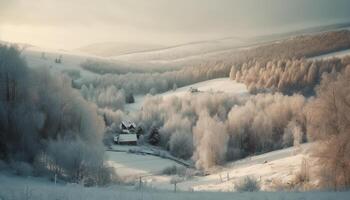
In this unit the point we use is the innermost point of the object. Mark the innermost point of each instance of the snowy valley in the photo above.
(255, 116)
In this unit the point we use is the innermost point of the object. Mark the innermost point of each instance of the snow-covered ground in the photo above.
(130, 164)
(337, 54)
(18, 188)
(215, 85)
(268, 168)
(184, 50)
(70, 60)
(133, 107)
(281, 165)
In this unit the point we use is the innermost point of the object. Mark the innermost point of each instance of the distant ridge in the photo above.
(309, 30)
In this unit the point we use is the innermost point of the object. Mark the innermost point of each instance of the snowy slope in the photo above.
(215, 85)
(281, 165)
(338, 54)
(109, 49)
(70, 60)
(184, 50)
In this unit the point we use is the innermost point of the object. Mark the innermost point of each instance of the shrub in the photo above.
(174, 170)
(129, 98)
(247, 184)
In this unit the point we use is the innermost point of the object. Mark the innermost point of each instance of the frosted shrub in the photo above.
(247, 184)
(175, 170)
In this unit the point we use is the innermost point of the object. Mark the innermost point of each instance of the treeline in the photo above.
(286, 76)
(118, 67)
(46, 127)
(143, 83)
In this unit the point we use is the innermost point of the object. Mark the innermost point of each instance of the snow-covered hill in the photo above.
(184, 50)
(109, 49)
(338, 54)
(191, 52)
(215, 85)
(38, 57)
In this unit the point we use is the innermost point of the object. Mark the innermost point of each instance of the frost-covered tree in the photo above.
(39, 110)
(210, 141)
(329, 124)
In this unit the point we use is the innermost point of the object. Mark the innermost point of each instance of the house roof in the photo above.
(128, 124)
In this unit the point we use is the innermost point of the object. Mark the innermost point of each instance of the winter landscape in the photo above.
(165, 99)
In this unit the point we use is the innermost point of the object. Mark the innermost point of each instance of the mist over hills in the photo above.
(107, 49)
(142, 52)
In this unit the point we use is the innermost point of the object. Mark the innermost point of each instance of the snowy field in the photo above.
(130, 164)
(338, 54)
(70, 60)
(215, 85)
(19, 188)
(268, 168)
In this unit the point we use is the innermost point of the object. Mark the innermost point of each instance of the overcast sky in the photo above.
(73, 23)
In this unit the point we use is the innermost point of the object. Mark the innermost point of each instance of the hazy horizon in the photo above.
(73, 24)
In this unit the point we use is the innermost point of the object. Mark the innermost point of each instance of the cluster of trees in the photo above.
(329, 124)
(108, 97)
(105, 97)
(118, 67)
(46, 124)
(286, 76)
(212, 128)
